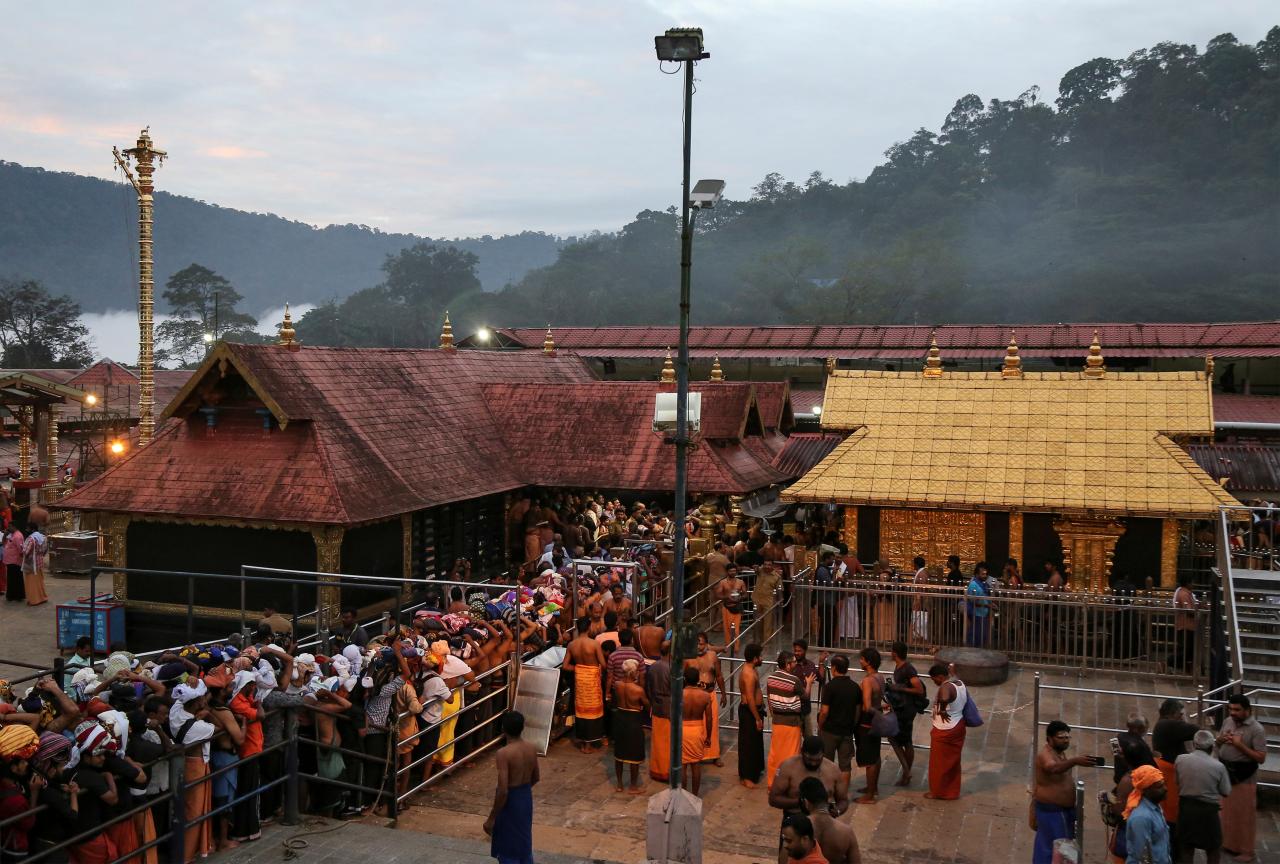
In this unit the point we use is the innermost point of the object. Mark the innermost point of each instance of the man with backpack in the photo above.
(905, 692)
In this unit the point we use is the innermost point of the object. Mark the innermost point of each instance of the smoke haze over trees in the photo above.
(1147, 190)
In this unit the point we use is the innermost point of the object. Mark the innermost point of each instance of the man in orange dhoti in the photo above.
(586, 661)
(946, 739)
(710, 678)
(695, 730)
(657, 686)
(784, 693)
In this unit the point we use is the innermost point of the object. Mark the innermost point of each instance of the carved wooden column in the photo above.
(1015, 543)
(1088, 547)
(113, 532)
(1169, 533)
(328, 560)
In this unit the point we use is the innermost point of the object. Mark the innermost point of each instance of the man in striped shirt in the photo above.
(626, 651)
(783, 693)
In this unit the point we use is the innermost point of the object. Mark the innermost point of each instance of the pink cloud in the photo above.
(233, 151)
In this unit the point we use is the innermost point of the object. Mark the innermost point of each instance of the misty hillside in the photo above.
(78, 236)
(1149, 190)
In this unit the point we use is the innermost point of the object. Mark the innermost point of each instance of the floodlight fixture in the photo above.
(705, 194)
(817, 410)
(664, 412)
(208, 338)
(90, 399)
(483, 334)
(117, 447)
(680, 44)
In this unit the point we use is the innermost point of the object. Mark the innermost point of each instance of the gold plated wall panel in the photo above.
(328, 560)
(849, 534)
(1015, 541)
(1169, 552)
(935, 534)
(1088, 547)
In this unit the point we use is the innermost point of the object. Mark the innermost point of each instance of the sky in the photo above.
(463, 119)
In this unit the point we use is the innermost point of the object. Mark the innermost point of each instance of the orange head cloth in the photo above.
(1143, 777)
(18, 742)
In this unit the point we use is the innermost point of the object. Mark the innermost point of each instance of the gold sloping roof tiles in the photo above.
(1047, 441)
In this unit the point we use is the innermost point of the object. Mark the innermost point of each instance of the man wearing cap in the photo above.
(1146, 832)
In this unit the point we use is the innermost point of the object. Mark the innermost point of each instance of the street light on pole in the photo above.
(683, 46)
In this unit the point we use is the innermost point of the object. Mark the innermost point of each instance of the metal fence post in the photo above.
(1080, 817)
(1200, 705)
(191, 609)
(1035, 722)
(177, 808)
(391, 777)
(291, 768)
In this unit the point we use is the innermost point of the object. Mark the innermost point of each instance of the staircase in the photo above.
(1252, 621)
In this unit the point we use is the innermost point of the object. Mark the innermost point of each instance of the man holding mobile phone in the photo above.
(1053, 815)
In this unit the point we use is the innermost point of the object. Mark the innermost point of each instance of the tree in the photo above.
(200, 301)
(39, 331)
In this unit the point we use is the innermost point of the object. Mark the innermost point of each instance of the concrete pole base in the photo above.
(674, 828)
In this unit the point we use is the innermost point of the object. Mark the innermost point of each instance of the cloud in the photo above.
(457, 119)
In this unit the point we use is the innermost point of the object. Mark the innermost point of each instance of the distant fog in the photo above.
(114, 333)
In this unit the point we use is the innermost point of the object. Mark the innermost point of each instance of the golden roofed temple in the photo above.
(1085, 469)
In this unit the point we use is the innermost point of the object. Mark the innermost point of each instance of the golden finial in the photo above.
(1093, 365)
(668, 370)
(288, 336)
(1208, 365)
(1012, 362)
(933, 365)
(831, 365)
(549, 343)
(717, 374)
(446, 334)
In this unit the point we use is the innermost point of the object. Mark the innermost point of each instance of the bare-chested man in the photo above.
(731, 591)
(750, 719)
(510, 822)
(585, 660)
(618, 602)
(595, 626)
(1055, 793)
(697, 720)
(649, 638)
(784, 793)
(707, 662)
(837, 841)
(628, 728)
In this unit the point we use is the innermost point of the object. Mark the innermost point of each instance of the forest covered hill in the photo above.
(1148, 189)
(77, 236)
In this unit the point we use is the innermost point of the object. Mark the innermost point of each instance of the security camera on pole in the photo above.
(674, 815)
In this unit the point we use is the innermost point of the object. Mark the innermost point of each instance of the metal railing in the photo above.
(1140, 633)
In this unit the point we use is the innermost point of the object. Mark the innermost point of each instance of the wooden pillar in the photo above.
(1169, 532)
(113, 533)
(328, 542)
(1015, 543)
(1088, 547)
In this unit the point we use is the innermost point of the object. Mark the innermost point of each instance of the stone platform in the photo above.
(976, 667)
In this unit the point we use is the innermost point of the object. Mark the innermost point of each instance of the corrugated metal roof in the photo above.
(804, 450)
(1241, 339)
(1241, 408)
(1246, 467)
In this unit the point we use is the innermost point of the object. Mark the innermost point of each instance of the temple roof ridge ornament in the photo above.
(668, 370)
(288, 336)
(1094, 367)
(549, 343)
(446, 334)
(933, 363)
(717, 373)
(1012, 362)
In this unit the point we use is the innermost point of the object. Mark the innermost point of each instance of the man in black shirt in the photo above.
(905, 693)
(1172, 732)
(839, 715)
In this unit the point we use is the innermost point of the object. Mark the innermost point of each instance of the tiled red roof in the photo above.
(367, 434)
(726, 407)
(105, 373)
(802, 401)
(959, 341)
(602, 437)
(773, 398)
(804, 450)
(1239, 408)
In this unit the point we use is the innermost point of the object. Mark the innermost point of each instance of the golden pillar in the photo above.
(51, 447)
(328, 542)
(1169, 533)
(1088, 547)
(707, 518)
(735, 509)
(1015, 543)
(406, 568)
(146, 159)
(849, 533)
(25, 424)
(113, 531)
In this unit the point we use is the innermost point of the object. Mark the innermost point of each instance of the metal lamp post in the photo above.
(683, 46)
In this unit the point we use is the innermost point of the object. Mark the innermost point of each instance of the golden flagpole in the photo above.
(146, 159)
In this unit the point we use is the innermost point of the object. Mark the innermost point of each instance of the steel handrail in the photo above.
(1228, 590)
